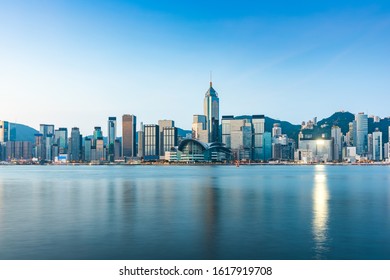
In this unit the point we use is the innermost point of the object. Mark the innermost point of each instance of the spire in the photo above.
(211, 78)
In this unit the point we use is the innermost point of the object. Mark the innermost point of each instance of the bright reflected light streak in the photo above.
(320, 211)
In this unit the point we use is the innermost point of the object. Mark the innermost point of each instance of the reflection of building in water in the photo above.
(320, 211)
(210, 218)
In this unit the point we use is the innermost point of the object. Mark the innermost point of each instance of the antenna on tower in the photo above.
(211, 78)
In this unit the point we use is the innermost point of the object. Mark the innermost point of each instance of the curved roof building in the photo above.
(195, 150)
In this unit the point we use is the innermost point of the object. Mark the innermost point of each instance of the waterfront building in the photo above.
(370, 143)
(199, 128)
(39, 148)
(237, 136)
(111, 138)
(141, 142)
(192, 150)
(211, 111)
(87, 149)
(151, 142)
(61, 139)
(3, 151)
(321, 150)
(276, 130)
(97, 133)
(377, 147)
(117, 149)
(100, 150)
(18, 150)
(4, 131)
(168, 136)
(49, 141)
(75, 145)
(360, 128)
(111, 130)
(258, 123)
(337, 142)
(349, 154)
(267, 143)
(283, 148)
(46, 129)
(387, 151)
(55, 152)
(129, 144)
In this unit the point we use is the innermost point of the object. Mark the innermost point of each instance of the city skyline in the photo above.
(75, 64)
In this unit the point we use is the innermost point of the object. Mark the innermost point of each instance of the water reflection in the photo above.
(320, 212)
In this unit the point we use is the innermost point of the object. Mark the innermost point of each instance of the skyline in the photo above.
(76, 64)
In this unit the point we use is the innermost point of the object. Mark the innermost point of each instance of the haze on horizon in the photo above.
(74, 63)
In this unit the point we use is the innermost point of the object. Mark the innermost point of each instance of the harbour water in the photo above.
(195, 212)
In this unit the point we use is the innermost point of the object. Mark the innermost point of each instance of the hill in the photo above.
(340, 119)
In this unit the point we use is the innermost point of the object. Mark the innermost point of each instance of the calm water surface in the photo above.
(191, 212)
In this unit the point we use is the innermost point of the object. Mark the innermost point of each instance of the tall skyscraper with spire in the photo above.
(211, 111)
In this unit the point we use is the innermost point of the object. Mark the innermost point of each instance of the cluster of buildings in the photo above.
(324, 144)
(241, 138)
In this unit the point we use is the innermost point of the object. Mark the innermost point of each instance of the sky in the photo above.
(75, 63)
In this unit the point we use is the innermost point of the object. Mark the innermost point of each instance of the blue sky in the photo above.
(74, 63)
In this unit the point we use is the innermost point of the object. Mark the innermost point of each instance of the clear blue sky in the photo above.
(74, 63)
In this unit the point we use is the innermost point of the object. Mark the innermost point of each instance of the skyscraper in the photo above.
(97, 133)
(258, 122)
(199, 128)
(129, 123)
(111, 130)
(61, 139)
(151, 141)
(111, 138)
(337, 142)
(75, 144)
(211, 111)
(360, 133)
(168, 135)
(377, 147)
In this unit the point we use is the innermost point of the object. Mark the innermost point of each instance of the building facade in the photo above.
(129, 144)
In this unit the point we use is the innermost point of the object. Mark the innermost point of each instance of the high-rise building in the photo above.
(258, 122)
(4, 131)
(377, 145)
(39, 149)
(211, 111)
(111, 130)
(100, 150)
(129, 123)
(61, 139)
(19, 150)
(151, 142)
(237, 136)
(337, 142)
(46, 129)
(87, 149)
(111, 138)
(97, 133)
(199, 128)
(276, 130)
(75, 145)
(168, 135)
(360, 129)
